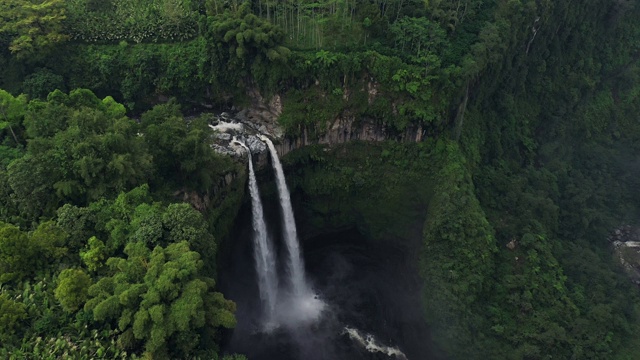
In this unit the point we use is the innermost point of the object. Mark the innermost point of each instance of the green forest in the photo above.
(116, 212)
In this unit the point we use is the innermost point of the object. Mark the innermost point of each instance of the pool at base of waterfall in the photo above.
(370, 304)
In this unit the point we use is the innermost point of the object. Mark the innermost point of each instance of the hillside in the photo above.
(496, 143)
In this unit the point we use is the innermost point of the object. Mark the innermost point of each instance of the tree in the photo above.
(180, 148)
(163, 128)
(419, 40)
(159, 297)
(42, 82)
(134, 217)
(23, 254)
(184, 223)
(33, 26)
(80, 149)
(12, 314)
(29, 180)
(51, 242)
(9, 211)
(245, 44)
(72, 289)
(16, 254)
(78, 222)
(12, 111)
(95, 254)
(457, 257)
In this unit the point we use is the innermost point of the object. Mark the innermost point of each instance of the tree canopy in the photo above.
(524, 114)
(34, 27)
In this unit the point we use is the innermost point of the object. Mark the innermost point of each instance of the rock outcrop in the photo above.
(626, 243)
(347, 128)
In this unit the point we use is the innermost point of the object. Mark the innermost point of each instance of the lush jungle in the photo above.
(116, 213)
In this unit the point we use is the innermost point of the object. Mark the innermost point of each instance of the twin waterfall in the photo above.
(290, 304)
(296, 304)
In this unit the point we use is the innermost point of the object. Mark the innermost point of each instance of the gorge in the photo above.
(293, 316)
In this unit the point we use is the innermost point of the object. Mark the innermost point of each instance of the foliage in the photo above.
(95, 254)
(542, 95)
(134, 217)
(554, 180)
(49, 333)
(422, 39)
(250, 37)
(34, 27)
(163, 301)
(80, 149)
(245, 47)
(71, 292)
(12, 110)
(77, 146)
(332, 185)
(394, 93)
(117, 20)
(174, 279)
(40, 83)
(13, 313)
(457, 257)
(181, 149)
(23, 254)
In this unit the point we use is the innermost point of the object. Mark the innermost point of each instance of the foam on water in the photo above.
(226, 126)
(372, 345)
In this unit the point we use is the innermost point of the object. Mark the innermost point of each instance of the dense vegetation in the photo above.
(530, 111)
(96, 256)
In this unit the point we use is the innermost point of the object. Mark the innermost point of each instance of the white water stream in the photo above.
(300, 306)
(295, 264)
(263, 251)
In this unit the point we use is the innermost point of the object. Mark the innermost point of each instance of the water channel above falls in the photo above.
(367, 289)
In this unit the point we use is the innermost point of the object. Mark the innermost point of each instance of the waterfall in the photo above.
(263, 251)
(300, 306)
(295, 265)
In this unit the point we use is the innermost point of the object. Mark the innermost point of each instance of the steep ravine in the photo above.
(361, 257)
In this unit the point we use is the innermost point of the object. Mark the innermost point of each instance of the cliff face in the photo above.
(262, 116)
(348, 128)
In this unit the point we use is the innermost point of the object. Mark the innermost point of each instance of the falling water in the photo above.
(296, 310)
(295, 265)
(301, 306)
(262, 251)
